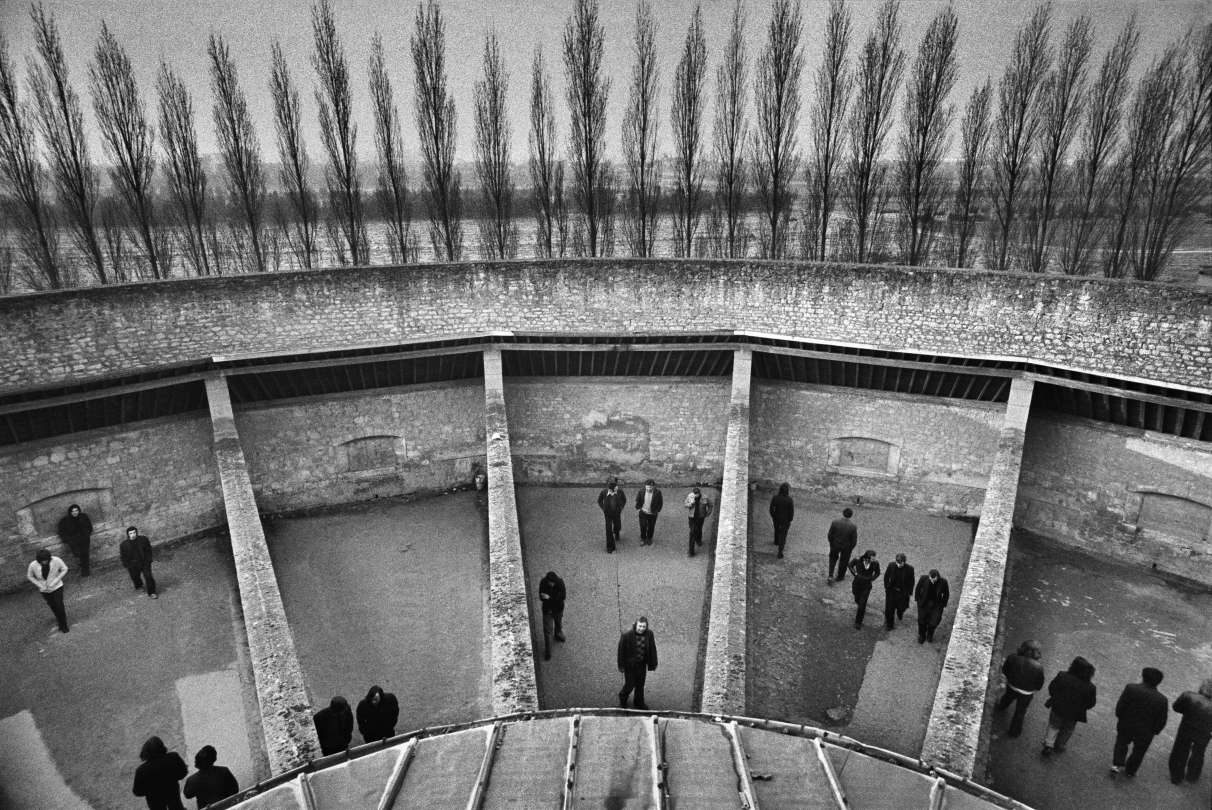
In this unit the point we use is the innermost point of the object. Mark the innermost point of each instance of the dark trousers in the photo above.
(1187, 753)
(633, 678)
(894, 606)
(696, 533)
(928, 618)
(165, 803)
(55, 600)
(80, 552)
(142, 577)
(1021, 702)
(614, 525)
(780, 533)
(1119, 754)
(861, 594)
(841, 556)
(553, 625)
(647, 525)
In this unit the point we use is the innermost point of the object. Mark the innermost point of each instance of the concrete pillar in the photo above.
(725, 664)
(514, 687)
(286, 718)
(953, 734)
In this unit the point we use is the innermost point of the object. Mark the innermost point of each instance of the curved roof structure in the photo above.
(621, 760)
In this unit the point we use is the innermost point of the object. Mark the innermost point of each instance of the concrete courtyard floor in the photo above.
(1122, 619)
(76, 708)
(805, 656)
(391, 592)
(563, 531)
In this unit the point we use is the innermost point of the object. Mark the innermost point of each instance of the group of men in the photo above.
(158, 777)
(648, 504)
(376, 717)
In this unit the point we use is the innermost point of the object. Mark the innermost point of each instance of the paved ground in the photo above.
(1121, 619)
(563, 531)
(76, 708)
(806, 657)
(390, 592)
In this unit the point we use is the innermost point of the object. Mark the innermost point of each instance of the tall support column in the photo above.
(290, 735)
(514, 687)
(953, 734)
(724, 671)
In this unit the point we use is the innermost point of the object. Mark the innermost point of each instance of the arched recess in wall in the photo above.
(371, 455)
(1174, 516)
(39, 520)
(864, 456)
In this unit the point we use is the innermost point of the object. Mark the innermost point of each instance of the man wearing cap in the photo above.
(932, 595)
(648, 503)
(611, 500)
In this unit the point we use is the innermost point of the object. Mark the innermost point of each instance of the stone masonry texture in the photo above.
(286, 717)
(724, 668)
(1150, 331)
(514, 685)
(953, 733)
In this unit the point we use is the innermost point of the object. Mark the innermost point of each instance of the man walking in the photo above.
(377, 715)
(648, 503)
(931, 595)
(782, 512)
(76, 530)
(551, 596)
(1142, 712)
(1024, 677)
(843, 537)
(136, 555)
(334, 726)
(866, 571)
(637, 657)
(47, 574)
(698, 508)
(898, 585)
(611, 500)
(1070, 695)
(212, 783)
(1193, 733)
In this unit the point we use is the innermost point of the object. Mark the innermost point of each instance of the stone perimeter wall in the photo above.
(1151, 331)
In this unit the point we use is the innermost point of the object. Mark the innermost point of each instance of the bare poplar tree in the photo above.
(241, 152)
(182, 163)
(392, 192)
(928, 116)
(128, 138)
(1063, 100)
(546, 191)
(877, 79)
(640, 139)
(834, 84)
(293, 161)
(687, 120)
(588, 90)
(437, 125)
(776, 157)
(1014, 131)
(25, 183)
(498, 230)
(1098, 145)
(729, 138)
(338, 132)
(62, 124)
(970, 184)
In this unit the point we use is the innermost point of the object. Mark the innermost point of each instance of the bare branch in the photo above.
(293, 161)
(834, 84)
(776, 155)
(687, 121)
(186, 177)
(547, 193)
(970, 186)
(588, 90)
(498, 231)
(436, 123)
(730, 136)
(640, 139)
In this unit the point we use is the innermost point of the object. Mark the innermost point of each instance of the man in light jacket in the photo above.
(47, 573)
(648, 502)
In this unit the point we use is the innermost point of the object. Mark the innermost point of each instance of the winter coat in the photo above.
(612, 504)
(135, 553)
(627, 649)
(1141, 709)
(54, 579)
(211, 785)
(334, 730)
(158, 779)
(1070, 696)
(898, 584)
(75, 531)
(556, 593)
(658, 500)
(378, 722)
(1023, 672)
(1196, 710)
(843, 534)
(782, 509)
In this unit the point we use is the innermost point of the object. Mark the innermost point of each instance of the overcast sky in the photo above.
(176, 30)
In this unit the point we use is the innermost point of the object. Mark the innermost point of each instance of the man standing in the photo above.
(898, 585)
(648, 503)
(136, 555)
(76, 530)
(612, 500)
(47, 573)
(551, 595)
(782, 512)
(931, 595)
(1142, 713)
(843, 537)
(334, 726)
(1024, 677)
(698, 508)
(378, 714)
(212, 783)
(1193, 733)
(866, 571)
(637, 657)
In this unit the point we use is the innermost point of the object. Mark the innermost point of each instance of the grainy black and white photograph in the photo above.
(360, 361)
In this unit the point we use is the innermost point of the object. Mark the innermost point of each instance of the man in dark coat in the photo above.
(932, 595)
(866, 571)
(1193, 734)
(158, 779)
(551, 595)
(1070, 695)
(1024, 677)
(898, 587)
(698, 509)
(611, 500)
(637, 657)
(648, 502)
(378, 713)
(782, 512)
(1142, 713)
(76, 530)
(843, 537)
(136, 555)
(334, 726)
(212, 783)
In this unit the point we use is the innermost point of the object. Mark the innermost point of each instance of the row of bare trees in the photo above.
(1061, 164)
